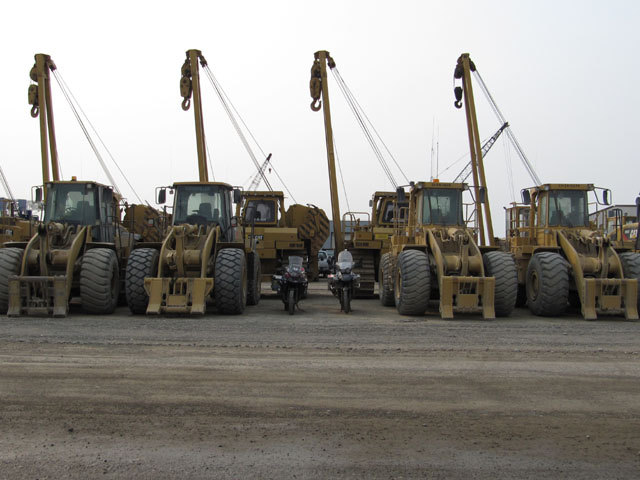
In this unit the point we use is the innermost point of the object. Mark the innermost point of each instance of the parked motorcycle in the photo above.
(344, 282)
(292, 284)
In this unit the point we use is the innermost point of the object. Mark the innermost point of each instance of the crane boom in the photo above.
(466, 171)
(320, 93)
(463, 70)
(255, 182)
(39, 95)
(190, 84)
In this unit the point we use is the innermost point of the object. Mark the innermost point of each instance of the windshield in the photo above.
(568, 208)
(388, 215)
(345, 260)
(200, 204)
(442, 206)
(265, 210)
(73, 203)
(295, 262)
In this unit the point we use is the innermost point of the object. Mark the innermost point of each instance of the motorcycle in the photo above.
(344, 282)
(292, 284)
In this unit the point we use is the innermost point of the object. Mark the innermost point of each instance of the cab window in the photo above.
(265, 210)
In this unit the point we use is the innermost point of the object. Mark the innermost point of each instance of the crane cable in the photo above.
(230, 108)
(507, 158)
(209, 158)
(5, 184)
(528, 166)
(68, 94)
(365, 123)
(364, 128)
(226, 105)
(344, 188)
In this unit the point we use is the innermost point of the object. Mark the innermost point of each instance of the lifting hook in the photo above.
(458, 94)
(315, 86)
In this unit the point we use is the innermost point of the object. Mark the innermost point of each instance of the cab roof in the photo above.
(220, 184)
(264, 194)
(77, 182)
(429, 185)
(566, 186)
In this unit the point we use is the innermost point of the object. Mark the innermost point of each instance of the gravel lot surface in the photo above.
(319, 394)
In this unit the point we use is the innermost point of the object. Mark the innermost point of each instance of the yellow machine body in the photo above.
(462, 285)
(596, 270)
(278, 233)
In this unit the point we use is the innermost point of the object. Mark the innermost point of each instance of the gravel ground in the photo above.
(319, 394)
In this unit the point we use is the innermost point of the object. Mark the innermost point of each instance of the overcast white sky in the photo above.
(562, 72)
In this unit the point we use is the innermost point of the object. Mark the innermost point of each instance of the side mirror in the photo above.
(370, 203)
(162, 196)
(526, 197)
(38, 194)
(482, 195)
(237, 195)
(402, 196)
(606, 197)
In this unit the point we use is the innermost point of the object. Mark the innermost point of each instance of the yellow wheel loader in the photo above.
(80, 247)
(73, 254)
(435, 257)
(203, 255)
(563, 260)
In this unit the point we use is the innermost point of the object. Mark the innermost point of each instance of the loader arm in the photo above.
(601, 294)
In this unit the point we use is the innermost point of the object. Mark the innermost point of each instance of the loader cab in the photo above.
(204, 204)
(439, 204)
(560, 206)
(564, 208)
(264, 209)
(387, 211)
(82, 204)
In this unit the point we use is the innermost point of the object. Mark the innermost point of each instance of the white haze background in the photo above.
(562, 72)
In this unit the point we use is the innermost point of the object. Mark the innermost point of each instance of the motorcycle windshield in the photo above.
(345, 260)
(295, 262)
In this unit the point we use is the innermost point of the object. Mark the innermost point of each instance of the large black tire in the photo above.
(385, 281)
(412, 287)
(99, 281)
(502, 267)
(346, 300)
(10, 262)
(142, 263)
(291, 305)
(230, 282)
(547, 284)
(254, 287)
(631, 268)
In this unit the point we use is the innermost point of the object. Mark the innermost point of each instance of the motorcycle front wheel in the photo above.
(292, 301)
(346, 300)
